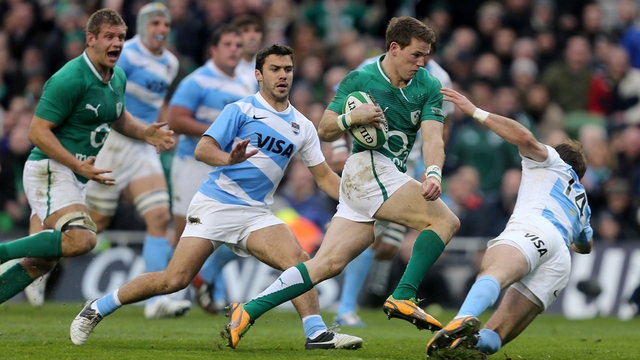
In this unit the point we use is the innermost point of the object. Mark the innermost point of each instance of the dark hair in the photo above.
(403, 29)
(275, 49)
(570, 151)
(247, 20)
(224, 29)
(102, 17)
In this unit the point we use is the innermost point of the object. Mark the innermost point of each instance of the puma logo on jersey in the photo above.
(94, 109)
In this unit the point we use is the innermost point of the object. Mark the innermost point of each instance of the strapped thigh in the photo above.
(150, 200)
(75, 220)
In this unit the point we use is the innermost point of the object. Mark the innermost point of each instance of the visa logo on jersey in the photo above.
(274, 145)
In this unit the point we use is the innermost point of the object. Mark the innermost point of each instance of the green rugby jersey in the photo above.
(83, 106)
(404, 108)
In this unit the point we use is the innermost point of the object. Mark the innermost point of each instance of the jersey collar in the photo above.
(216, 70)
(94, 70)
(384, 75)
(264, 102)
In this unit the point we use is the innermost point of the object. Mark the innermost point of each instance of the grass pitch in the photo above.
(43, 333)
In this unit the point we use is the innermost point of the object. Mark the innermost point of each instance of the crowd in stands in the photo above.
(561, 68)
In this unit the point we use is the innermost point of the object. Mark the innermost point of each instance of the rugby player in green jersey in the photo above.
(80, 104)
(374, 189)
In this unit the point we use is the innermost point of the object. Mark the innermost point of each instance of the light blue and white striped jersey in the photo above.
(550, 192)
(277, 135)
(148, 79)
(205, 92)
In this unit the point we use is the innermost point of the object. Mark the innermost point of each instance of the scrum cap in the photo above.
(147, 13)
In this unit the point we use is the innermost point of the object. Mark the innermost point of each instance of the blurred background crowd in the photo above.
(561, 68)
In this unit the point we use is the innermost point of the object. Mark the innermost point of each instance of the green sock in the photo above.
(47, 243)
(426, 250)
(13, 281)
(293, 282)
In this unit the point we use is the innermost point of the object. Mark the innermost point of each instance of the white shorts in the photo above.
(549, 262)
(226, 224)
(186, 177)
(129, 160)
(50, 186)
(364, 188)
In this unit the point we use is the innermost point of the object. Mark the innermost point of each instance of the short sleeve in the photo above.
(432, 108)
(187, 95)
(225, 129)
(311, 151)
(59, 97)
(552, 159)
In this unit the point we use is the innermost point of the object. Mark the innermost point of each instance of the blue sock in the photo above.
(108, 303)
(355, 275)
(219, 290)
(312, 325)
(214, 264)
(483, 294)
(489, 342)
(156, 253)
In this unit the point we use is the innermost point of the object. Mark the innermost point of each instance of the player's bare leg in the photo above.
(184, 265)
(437, 225)
(277, 247)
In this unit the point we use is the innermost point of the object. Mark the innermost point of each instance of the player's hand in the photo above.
(431, 189)
(239, 152)
(162, 139)
(90, 172)
(465, 105)
(368, 114)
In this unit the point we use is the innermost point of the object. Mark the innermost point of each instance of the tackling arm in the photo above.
(509, 129)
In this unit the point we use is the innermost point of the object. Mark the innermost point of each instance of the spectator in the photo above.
(568, 80)
(502, 46)
(492, 216)
(546, 114)
(524, 73)
(489, 20)
(620, 207)
(489, 68)
(615, 93)
(332, 17)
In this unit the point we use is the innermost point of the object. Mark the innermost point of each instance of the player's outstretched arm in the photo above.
(153, 134)
(327, 180)
(509, 129)
(209, 152)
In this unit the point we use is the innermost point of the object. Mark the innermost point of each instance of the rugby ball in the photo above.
(367, 136)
